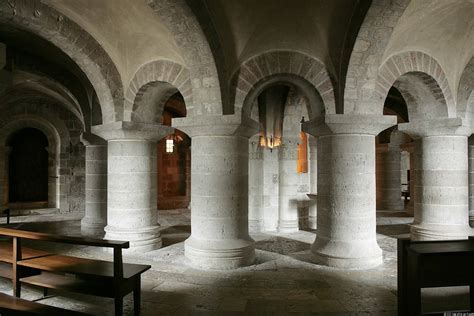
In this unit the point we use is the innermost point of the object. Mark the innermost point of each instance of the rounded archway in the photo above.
(28, 167)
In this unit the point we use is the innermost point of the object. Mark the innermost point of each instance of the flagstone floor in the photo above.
(284, 281)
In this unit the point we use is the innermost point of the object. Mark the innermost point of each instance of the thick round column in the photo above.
(411, 183)
(441, 189)
(288, 186)
(389, 193)
(346, 235)
(219, 203)
(95, 217)
(313, 176)
(471, 180)
(255, 187)
(131, 194)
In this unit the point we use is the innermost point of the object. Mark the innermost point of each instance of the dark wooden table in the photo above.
(423, 264)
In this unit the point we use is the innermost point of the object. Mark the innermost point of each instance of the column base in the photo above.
(362, 254)
(220, 255)
(471, 221)
(288, 226)
(440, 232)
(141, 239)
(91, 228)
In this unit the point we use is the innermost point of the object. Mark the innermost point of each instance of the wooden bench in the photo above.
(423, 264)
(6, 212)
(52, 271)
(10, 305)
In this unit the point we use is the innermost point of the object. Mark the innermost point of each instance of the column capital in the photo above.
(368, 124)
(219, 125)
(132, 130)
(89, 139)
(435, 127)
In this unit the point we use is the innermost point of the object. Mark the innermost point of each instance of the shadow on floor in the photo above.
(281, 245)
(175, 234)
(393, 229)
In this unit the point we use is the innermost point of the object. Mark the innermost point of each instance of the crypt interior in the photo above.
(263, 156)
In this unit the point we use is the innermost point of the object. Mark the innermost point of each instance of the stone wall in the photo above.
(71, 156)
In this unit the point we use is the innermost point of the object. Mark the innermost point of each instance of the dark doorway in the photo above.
(28, 166)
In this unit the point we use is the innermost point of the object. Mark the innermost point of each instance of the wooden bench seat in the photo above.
(81, 266)
(10, 305)
(68, 273)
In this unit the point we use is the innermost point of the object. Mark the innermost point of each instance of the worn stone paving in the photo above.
(284, 281)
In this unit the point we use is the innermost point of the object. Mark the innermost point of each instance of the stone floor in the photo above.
(282, 282)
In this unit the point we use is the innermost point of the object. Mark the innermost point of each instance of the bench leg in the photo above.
(471, 297)
(118, 305)
(137, 296)
(16, 288)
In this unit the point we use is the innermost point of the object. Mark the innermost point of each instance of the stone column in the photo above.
(389, 193)
(471, 180)
(95, 217)
(346, 220)
(219, 192)
(255, 187)
(313, 176)
(270, 190)
(131, 183)
(410, 148)
(288, 186)
(441, 188)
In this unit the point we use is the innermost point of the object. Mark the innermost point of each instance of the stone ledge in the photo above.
(368, 124)
(132, 130)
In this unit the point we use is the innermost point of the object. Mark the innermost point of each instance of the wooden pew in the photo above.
(423, 264)
(88, 276)
(13, 306)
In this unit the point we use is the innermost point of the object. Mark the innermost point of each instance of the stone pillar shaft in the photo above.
(313, 173)
(411, 183)
(441, 188)
(346, 235)
(441, 179)
(388, 178)
(255, 187)
(288, 186)
(346, 202)
(131, 193)
(95, 217)
(219, 201)
(219, 191)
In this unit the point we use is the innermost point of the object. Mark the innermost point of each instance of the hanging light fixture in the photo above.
(271, 107)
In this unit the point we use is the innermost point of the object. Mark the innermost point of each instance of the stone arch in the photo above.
(296, 68)
(46, 22)
(367, 54)
(28, 91)
(58, 142)
(165, 78)
(417, 68)
(465, 96)
(181, 19)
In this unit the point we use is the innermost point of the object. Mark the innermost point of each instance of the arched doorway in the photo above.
(28, 167)
(174, 160)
